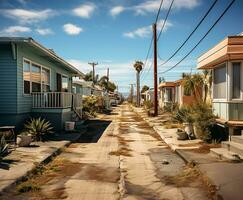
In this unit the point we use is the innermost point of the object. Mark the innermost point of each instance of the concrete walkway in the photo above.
(226, 176)
(20, 162)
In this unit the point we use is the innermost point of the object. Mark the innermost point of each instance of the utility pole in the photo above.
(93, 64)
(155, 71)
(132, 92)
(138, 88)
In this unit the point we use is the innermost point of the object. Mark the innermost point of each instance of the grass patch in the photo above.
(191, 175)
(205, 148)
(28, 187)
(169, 125)
(123, 151)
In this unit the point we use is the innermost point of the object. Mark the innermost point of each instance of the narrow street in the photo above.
(128, 161)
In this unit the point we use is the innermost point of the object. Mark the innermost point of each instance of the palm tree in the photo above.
(193, 84)
(207, 77)
(138, 65)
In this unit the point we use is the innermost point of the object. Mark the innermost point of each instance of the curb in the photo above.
(45, 161)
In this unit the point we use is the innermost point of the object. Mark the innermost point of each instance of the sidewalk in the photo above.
(22, 161)
(226, 176)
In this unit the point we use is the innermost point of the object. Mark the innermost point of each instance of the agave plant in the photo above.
(39, 128)
(3, 147)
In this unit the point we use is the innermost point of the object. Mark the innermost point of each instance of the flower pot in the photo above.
(196, 132)
(189, 130)
(24, 140)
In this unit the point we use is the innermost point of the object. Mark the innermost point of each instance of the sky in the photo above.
(116, 33)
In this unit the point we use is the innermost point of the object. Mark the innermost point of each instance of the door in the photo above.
(59, 82)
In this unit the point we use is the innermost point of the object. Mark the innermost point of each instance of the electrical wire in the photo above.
(200, 22)
(228, 7)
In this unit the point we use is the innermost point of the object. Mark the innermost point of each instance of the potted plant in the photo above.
(24, 139)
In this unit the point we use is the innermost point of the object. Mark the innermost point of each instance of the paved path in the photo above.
(125, 163)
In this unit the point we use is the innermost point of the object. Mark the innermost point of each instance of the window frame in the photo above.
(226, 83)
(41, 66)
(231, 81)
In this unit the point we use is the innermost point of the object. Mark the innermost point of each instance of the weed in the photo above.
(28, 187)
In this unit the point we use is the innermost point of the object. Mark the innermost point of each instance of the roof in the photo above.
(49, 52)
(230, 48)
(83, 83)
(166, 84)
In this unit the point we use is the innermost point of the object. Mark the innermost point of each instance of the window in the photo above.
(26, 77)
(64, 83)
(236, 80)
(219, 89)
(45, 80)
(35, 78)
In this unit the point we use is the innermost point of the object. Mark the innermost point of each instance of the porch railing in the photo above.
(56, 100)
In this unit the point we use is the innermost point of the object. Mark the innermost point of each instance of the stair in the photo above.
(230, 150)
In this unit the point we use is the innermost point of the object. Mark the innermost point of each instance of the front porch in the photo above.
(57, 107)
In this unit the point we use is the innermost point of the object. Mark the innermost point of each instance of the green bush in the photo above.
(184, 114)
(38, 128)
(170, 107)
(204, 120)
(148, 104)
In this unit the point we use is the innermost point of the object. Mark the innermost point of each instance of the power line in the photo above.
(150, 45)
(168, 12)
(200, 39)
(156, 19)
(206, 14)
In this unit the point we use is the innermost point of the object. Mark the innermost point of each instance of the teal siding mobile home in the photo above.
(35, 81)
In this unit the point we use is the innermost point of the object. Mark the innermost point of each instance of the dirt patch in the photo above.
(98, 173)
(122, 151)
(32, 188)
(140, 192)
(205, 148)
(191, 176)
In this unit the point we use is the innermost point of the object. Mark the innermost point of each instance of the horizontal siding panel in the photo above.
(8, 80)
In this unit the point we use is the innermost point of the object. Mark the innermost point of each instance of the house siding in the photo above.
(25, 101)
(8, 89)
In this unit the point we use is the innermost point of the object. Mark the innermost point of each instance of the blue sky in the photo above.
(115, 33)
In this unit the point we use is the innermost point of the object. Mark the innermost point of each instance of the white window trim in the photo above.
(220, 99)
(35, 63)
(231, 99)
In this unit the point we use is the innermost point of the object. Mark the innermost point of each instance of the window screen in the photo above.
(236, 81)
(219, 89)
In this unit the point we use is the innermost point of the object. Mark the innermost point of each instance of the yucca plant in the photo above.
(39, 128)
(3, 147)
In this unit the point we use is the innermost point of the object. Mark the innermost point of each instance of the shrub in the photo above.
(3, 147)
(148, 104)
(171, 107)
(183, 114)
(204, 120)
(38, 128)
(91, 105)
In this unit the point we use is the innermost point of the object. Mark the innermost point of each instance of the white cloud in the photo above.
(146, 30)
(116, 10)
(44, 31)
(72, 29)
(14, 30)
(27, 16)
(151, 6)
(84, 10)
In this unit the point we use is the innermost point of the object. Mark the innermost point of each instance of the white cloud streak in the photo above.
(84, 10)
(72, 29)
(44, 31)
(14, 30)
(27, 16)
(116, 10)
(145, 31)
